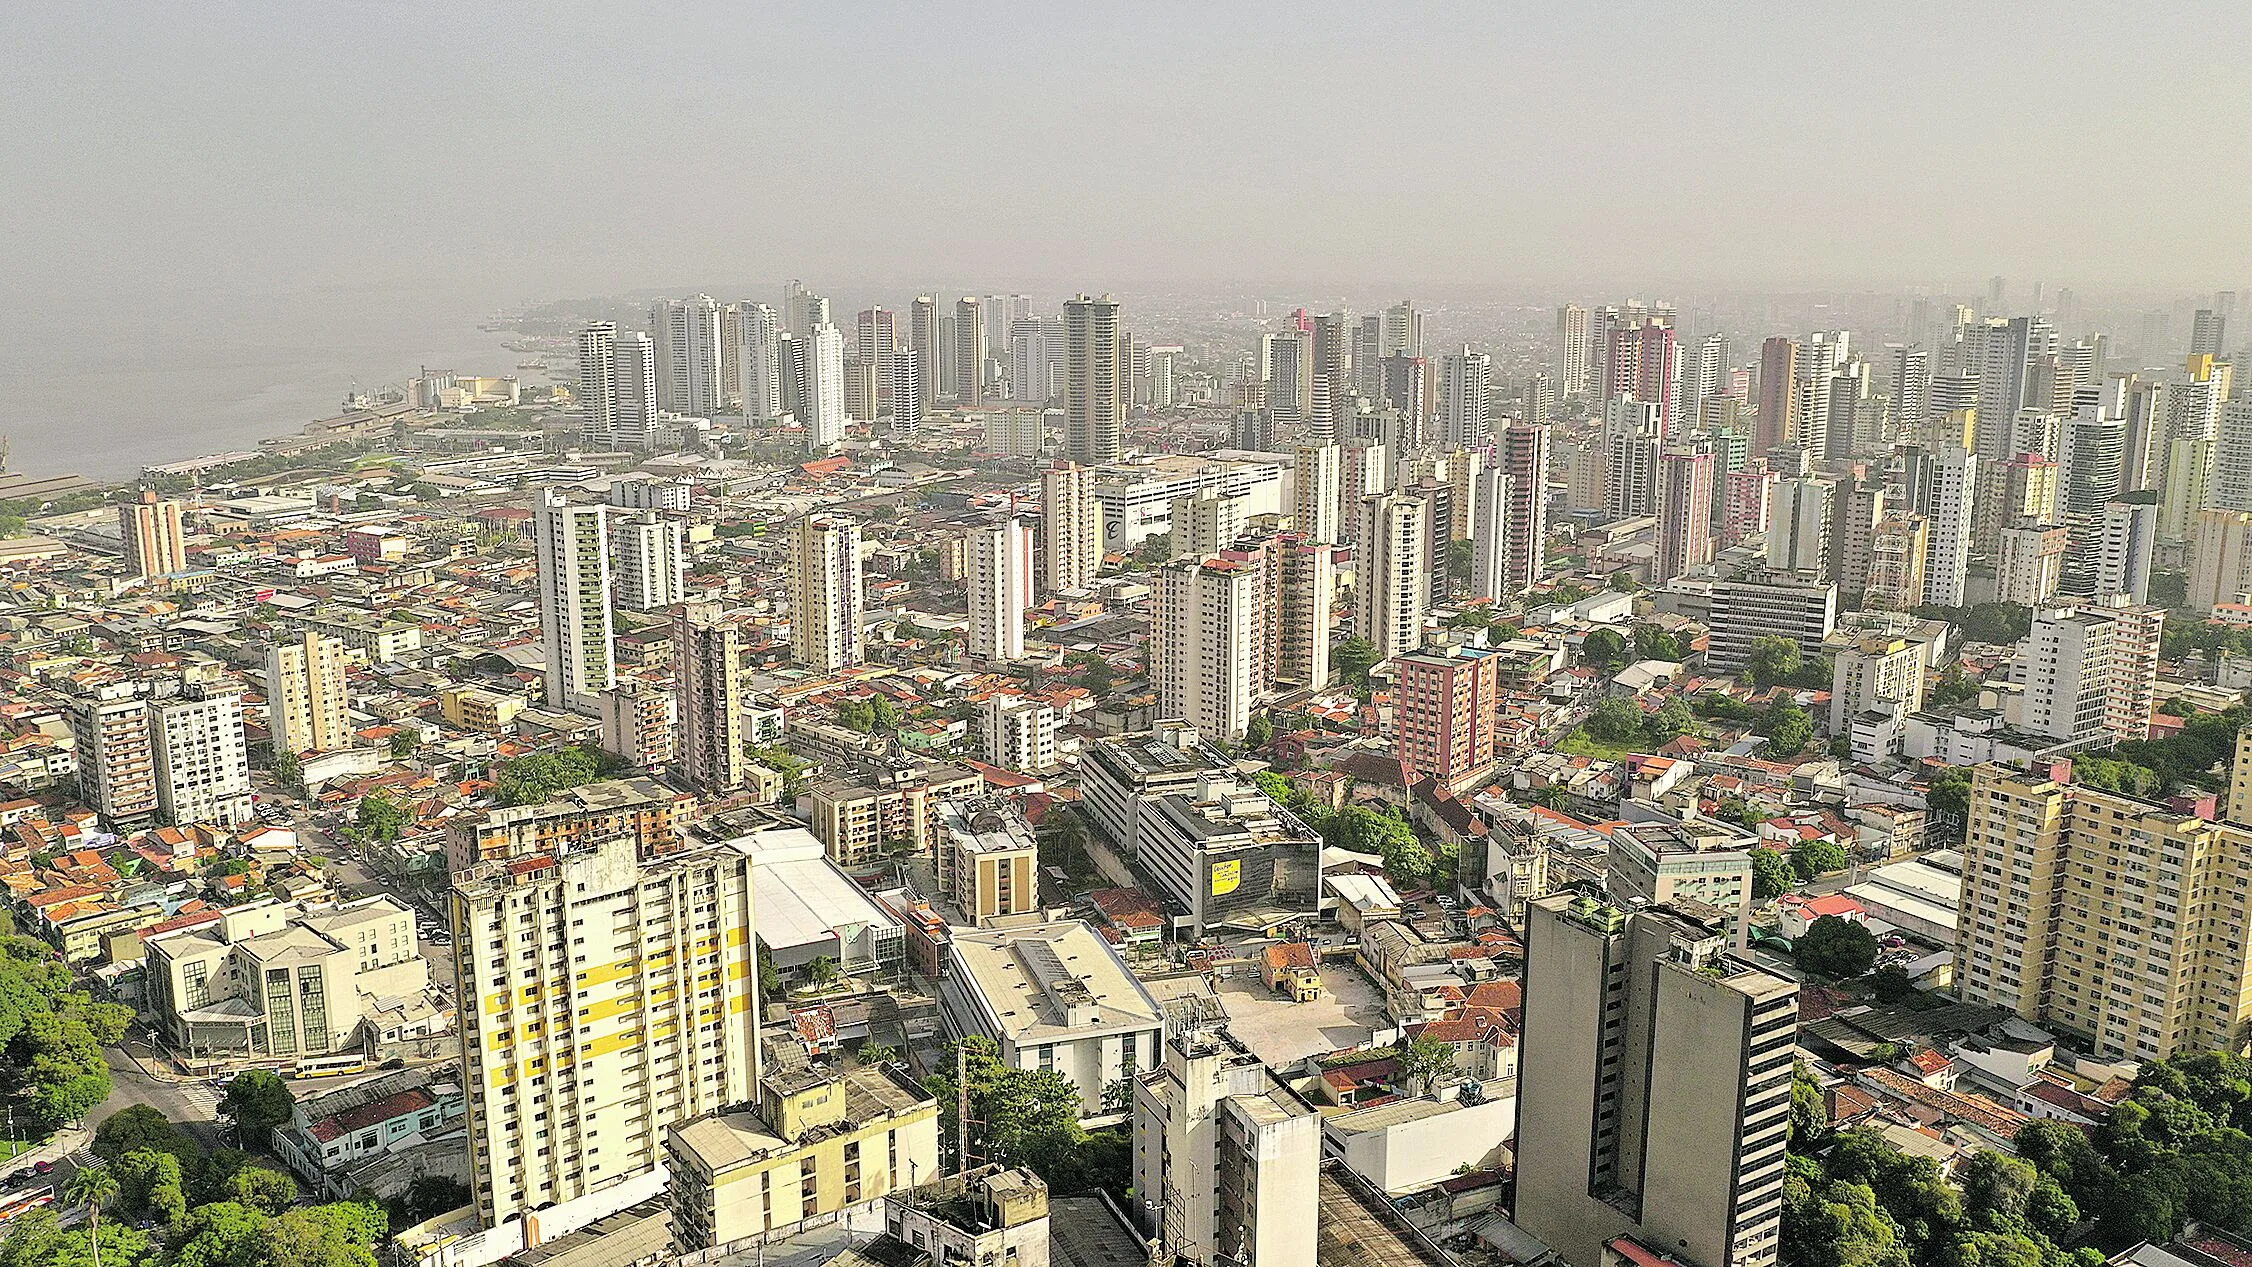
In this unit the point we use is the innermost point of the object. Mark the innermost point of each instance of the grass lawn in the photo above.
(1581, 744)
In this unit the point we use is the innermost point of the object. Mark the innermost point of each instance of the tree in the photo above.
(1259, 733)
(1953, 687)
(1026, 1117)
(382, 818)
(1423, 1061)
(1810, 858)
(256, 1102)
(1948, 799)
(340, 1234)
(856, 714)
(1353, 658)
(151, 1182)
(537, 776)
(885, 715)
(404, 743)
(1772, 660)
(1810, 1112)
(1787, 727)
(1772, 875)
(1672, 720)
(1623, 581)
(1653, 643)
(1604, 648)
(264, 1188)
(1617, 722)
(1836, 947)
(1460, 556)
(92, 1187)
(141, 1127)
(822, 972)
(289, 769)
(878, 1054)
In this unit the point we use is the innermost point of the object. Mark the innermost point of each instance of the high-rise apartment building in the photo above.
(1391, 582)
(1227, 1155)
(708, 696)
(573, 548)
(617, 387)
(306, 700)
(826, 597)
(2029, 562)
(116, 756)
(1800, 521)
(652, 562)
(1071, 537)
(1684, 514)
(641, 724)
(2100, 915)
(1020, 733)
(685, 339)
(1465, 398)
(1941, 483)
(202, 760)
(1875, 671)
(1095, 384)
(2129, 543)
(1000, 577)
(970, 351)
(824, 388)
(1490, 546)
(1896, 564)
(1525, 456)
(149, 530)
(1572, 349)
(608, 992)
(1303, 599)
(2090, 672)
(1444, 712)
(1206, 521)
(1403, 331)
(1317, 492)
(1209, 631)
(1286, 368)
(1654, 1086)
(1633, 441)
(1778, 395)
(761, 360)
(2220, 559)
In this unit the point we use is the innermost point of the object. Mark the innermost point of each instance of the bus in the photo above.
(335, 1066)
(15, 1203)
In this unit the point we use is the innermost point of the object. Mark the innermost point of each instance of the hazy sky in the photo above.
(537, 150)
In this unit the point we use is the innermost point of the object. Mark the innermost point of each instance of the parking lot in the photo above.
(1281, 1032)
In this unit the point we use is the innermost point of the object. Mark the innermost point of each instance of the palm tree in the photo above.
(92, 1187)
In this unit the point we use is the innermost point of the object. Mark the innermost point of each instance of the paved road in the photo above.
(193, 1104)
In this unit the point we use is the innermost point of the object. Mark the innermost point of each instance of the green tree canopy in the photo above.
(1810, 858)
(256, 1102)
(536, 777)
(1836, 947)
(1604, 648)
(1772, 875)
(1353, 658)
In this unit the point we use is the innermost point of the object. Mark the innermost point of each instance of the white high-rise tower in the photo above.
(825, 592)
(824, 388)
(575, 629)
(1000, 574)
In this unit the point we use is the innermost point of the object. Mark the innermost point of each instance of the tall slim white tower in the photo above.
(825, 592)
(1317, 485)
(652, 563)
(1209, 631)
(575, 629)
(1000, 568)
(1465, 397)
(1072, 527)
(762, 363)
(1393, 576)
(824, 388)
(684, 334)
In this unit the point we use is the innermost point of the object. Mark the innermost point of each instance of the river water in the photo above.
(103, 389)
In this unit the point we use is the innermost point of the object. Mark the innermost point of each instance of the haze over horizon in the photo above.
(251, 148)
